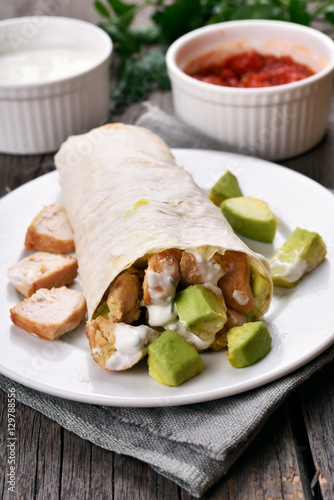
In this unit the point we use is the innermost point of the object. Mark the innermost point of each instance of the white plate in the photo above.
(300, 320)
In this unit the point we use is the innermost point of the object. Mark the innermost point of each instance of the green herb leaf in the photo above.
(145, 34)
(178, 18)
(298, 12)
(102, 9)
(329, 14)
(120, 7)
(139, 75)
(255, 12)
(124, 43)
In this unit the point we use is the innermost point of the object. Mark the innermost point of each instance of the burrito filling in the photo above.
(199, 298)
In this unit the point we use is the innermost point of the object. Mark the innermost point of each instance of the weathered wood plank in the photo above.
(76, 466)
(37, 454)
(26, 452)
(49, 459)
(317, 163)
(317, 402)
(135, 479)
(102, 474)
(17, 170)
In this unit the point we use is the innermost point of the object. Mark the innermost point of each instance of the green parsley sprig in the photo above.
(141, 49)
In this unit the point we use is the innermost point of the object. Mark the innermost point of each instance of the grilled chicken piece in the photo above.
(100, 333)
(50, 313)
(50, 231)
(124, 297)
(42, 270)
(235, 284)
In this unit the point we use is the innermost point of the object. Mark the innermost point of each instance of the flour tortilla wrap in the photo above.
(126, 198)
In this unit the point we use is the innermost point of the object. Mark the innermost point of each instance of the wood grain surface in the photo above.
(292, 457)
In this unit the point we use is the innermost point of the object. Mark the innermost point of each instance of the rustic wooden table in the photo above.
(292, 456)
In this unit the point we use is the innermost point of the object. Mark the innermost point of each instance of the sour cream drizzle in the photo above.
(162, 290)
(291, 271)
(201, 342)
(210, 272)
(241, 297)
(131, 344)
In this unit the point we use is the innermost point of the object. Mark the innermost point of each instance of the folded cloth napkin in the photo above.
(183, 443)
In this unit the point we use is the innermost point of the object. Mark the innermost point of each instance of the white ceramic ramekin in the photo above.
(38, 117)
(272, 122)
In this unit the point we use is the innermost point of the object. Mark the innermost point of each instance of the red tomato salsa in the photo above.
(251, 69)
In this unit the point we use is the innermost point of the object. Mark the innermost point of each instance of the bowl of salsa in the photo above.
(261, 88)
(250, 69)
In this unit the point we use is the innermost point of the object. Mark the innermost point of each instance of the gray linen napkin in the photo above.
(183, 443)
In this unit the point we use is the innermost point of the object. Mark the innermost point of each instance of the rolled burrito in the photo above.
(144, 233)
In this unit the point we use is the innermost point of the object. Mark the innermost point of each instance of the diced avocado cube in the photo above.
(250, 217)
(201, 309)
(102, 310)
(248, 343)
(300, 253)
(226, 187)
(261, 288)
(172, 361)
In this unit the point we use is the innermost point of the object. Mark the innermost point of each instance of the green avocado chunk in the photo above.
(172, 361)
(226, 187)
(261, 288)
(102, 310)
(250, 217)
(302, 251)
(201, 309)
(248, 343)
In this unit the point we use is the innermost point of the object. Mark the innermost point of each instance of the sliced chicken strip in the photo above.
(50, 231)
(124, 297)
(42, 270)
(235, 284)
(50, 313)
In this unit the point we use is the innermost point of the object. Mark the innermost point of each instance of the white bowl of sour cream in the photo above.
(54, 82)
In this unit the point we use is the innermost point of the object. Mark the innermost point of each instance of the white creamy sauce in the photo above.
(44, 64)
(241, 297)
(210, 271)
(290, 271)
(131, 345)
(201, 343)
(161, 314)
(160, 285)
(215, 289)
(162, 290)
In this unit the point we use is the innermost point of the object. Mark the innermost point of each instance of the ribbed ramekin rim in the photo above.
(108, 48)
(176, 72)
